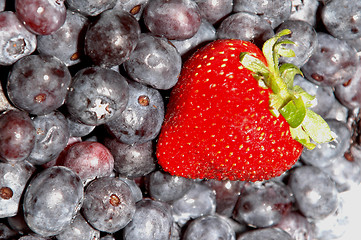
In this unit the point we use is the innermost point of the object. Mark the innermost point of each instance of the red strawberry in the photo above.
(218, 123)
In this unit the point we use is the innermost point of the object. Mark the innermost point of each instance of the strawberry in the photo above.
(235, 114)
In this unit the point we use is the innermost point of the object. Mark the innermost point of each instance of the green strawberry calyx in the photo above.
(292, 102)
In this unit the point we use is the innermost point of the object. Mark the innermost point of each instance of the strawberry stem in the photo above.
(292, 102)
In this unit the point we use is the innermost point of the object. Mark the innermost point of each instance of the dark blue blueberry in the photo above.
(13, 180)
(154, 62)
(110, 40)
(315, 193)
(38, 84)
(17, 136)
(79, 229)
(339, 224)
(265, 233)
(198, 201)
(227, 193)
(15, 40)
(41, 17)
(173, 19)
(90, 7)
(136, 191)
(325, 153)
(246, 26)
(275, 12)
(89, 160)
(134, 7)
(96, 95)
(305, 38)
(52, 200)
(67, 42)
(205, 34)
(77, 128)
(152, 220)
(33, 236)
(108, 237)
(214, 11)
(209, 227)
(263, 204)
(342, 18)
(334, 62)
(52, 135)
(108, 204)
(131, 161)
(298, 226)
(167, 188)
(348, 93)
(325, 98)
(142, 118)
(305, 10)
(346, 174)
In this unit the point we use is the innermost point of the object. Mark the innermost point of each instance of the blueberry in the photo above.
(265, 233)
(198, 201)
(90, 7)
(108, 237)
(67, 42)
(205, 34)
(154, 62)
(342, 18)
(333, 226)
(305, 38)
(315, 193)
(38, 84)
(142, 117)
(275, 12)
(15, 40)
(110, 40)
(346, 174)
(52, 200)
(33, 237)
(347, 93)
(167, 188)
(108, 204)
(325, 153)
(131, 161)
(96, 95)
(152, 220)
(134, 7)
(305, 10)
(209, 227)
(136, 191)
(214, 11)
(89, 160)
(79, 229)
(17, 136)
(173, 19)
(334, 62)
(41, 17)
(77, 128)
(52, 135)
(13, 181)
(324, 95)
(263, 204)
(246, 26)
(298, 226)
(227, 193)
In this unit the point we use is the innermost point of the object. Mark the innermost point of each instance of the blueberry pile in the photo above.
(84, 88)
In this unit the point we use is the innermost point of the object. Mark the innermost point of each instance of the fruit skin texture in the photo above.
(218, 124)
